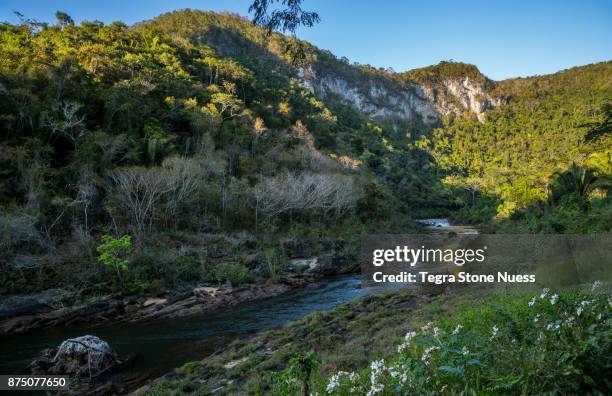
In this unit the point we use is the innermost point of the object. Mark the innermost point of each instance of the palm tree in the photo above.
(576, 179)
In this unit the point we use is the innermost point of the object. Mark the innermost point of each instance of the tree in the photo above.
(300, 192)
(112, 252)
(65, 121)
(139, 191)
(286, 19)
(603, 128)
(156, 141)
(576, 179)
(184, 176)
(63, 19)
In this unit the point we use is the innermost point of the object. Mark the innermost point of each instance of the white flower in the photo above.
(437, 332)
(410, 335)
(579, 311)
(427, 354)
(595, 285)
(457, 329)
(377, 367)
(544, 292)
(494, 331)
(378, 364)
(553, 326)
(465, 351)
(427, 326)
(333, 383)
(532, 302)
(554, 299)
(376, 388)
(537, 317)
(569, 322)
(585, 303)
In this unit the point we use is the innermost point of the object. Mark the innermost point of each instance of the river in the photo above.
(158, 347)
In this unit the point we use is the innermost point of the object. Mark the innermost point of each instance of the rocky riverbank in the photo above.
(56, 307)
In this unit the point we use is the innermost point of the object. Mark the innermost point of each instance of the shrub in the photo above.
(235, 273)
(296, 377)
(112, 252)
(547, 344)
(275, 261)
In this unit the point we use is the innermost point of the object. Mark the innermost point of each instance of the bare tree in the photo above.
(85, 195)
(184, 175)
(68, 122)
(139, 192)
(146, 192)
(299, 192)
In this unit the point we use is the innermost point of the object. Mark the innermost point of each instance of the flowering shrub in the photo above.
(549, 343)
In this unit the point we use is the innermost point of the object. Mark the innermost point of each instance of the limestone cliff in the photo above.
(408, 98)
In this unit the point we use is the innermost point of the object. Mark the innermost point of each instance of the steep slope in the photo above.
(379, 94)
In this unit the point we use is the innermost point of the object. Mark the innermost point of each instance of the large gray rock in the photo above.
(81, 356)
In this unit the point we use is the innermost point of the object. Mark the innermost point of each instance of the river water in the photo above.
(159, 347)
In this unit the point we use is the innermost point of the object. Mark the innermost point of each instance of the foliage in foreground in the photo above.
(553, 344)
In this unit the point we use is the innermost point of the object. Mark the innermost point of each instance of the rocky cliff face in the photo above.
(428, 102)
(460, 97)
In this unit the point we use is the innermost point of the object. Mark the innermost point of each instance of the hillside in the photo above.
(222, 151)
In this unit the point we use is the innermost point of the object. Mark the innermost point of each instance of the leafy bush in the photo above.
(545, 344)
(296, 377)
(113, 251)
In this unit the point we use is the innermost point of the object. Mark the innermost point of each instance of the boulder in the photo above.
(82, 356)
(303, 265)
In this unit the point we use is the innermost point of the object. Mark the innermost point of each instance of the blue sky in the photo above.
(504, 39)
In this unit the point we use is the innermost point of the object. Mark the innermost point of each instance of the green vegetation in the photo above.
(112, 249)
(297, 374)
(509, 165)
(559, 344)
(399, 343)
(192, 133)
(173, 131)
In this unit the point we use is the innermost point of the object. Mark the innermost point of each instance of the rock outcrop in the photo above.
(85, 356)
(390, 99)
